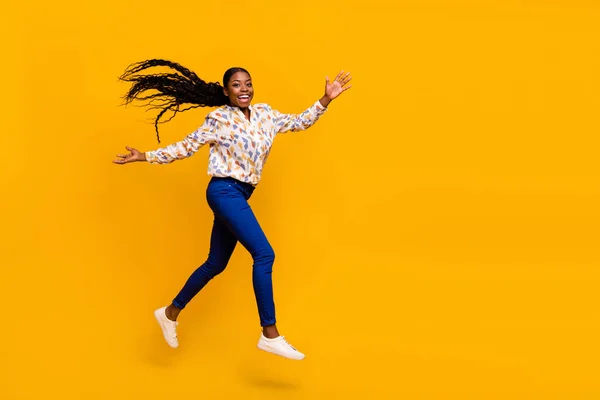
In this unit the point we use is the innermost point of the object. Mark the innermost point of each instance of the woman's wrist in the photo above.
(325, 101)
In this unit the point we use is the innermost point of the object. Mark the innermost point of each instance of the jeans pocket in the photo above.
(219, 191)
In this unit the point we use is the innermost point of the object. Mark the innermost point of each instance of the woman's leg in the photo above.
(235, 213)
(222, 245)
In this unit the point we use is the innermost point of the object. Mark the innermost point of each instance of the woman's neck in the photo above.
(246, 112)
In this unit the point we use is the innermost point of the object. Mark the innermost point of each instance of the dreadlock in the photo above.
(174, 90)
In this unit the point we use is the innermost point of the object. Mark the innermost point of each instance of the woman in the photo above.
(240, 136)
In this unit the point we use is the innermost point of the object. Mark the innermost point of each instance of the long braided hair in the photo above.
(176, 91)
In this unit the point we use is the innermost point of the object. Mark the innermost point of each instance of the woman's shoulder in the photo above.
(220, 114)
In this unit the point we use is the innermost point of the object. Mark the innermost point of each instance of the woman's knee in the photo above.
(265, 255)
(215, 267)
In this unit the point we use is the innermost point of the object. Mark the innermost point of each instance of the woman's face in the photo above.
(240, 90)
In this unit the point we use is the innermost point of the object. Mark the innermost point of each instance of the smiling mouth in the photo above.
(244, 97)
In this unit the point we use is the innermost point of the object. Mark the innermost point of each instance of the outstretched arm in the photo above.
(185, 148)
(298, 122)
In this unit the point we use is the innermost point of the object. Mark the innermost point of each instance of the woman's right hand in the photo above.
(133, 156)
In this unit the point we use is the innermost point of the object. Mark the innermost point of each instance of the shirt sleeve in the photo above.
(298, 122)
(187, 147)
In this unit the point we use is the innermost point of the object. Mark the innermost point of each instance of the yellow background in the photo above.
(436, 232)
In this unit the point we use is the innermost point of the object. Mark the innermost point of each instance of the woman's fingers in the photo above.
(123, 158)
(126, 158)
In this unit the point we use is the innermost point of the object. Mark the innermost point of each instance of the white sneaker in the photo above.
(279, 346)
(169, 328)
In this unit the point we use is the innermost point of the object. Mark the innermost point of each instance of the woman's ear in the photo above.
(225, 92)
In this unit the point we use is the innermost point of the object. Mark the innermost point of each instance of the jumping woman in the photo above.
(240, 137)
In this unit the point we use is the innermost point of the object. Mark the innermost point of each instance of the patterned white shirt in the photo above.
(239, 147)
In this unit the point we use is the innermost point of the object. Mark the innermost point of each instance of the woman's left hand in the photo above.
(338, 86)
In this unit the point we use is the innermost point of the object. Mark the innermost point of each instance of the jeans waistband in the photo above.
(247, 187)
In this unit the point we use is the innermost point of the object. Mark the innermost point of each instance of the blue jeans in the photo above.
(234, 221)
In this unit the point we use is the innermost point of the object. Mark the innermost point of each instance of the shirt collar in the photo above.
(235, 109)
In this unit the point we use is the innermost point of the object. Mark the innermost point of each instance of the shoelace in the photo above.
(288, 343)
